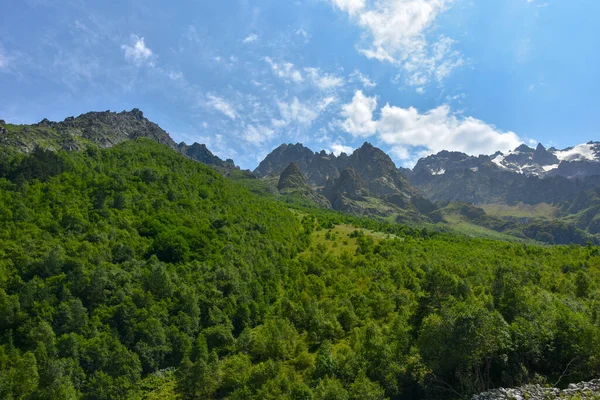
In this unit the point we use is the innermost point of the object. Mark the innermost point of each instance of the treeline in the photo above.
(132, 272)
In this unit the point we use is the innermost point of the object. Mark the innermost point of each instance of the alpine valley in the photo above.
(133, 267)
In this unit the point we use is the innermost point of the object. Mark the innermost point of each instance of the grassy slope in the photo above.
(543, 210)
(460, 224)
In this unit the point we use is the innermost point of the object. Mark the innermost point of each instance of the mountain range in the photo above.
(549, 195)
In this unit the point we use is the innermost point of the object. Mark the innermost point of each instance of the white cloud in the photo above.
(323, 81)
(357, 76)
(350, 6)
(359, 115)
(439, 129)
(412, 134)
(137, 52)
(298, 112)
(337, 149)
(397, 33)
(221, 105)
(289, 72)
(258, 134)
(251, 38)
(285, 70)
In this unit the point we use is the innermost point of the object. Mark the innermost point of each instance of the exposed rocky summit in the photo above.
(580, 391)
(542, 156)
(379, 171)
(364, 183)
(281, 157)
(103, 129)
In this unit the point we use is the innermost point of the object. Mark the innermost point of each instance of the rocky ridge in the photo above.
(364, 183)
(102, 129)
(574, 162)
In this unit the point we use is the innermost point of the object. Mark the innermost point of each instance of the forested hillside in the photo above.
(136, 273)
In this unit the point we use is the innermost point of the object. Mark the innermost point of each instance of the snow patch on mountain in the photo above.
(498, 160)
(582, 152)
(550, 167)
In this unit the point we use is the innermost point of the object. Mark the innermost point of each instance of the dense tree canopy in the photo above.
(133, 272)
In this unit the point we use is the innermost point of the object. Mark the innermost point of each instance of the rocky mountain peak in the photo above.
(371, 161)
(201, 153)
(540, 147)
(524, 149)
(543, 157)
(292, 178)
(104, 129)
(281, 157)
(137, 113)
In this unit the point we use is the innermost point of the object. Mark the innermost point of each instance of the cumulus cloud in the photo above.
(286, 70)
(359, 115)
(137, 52)
(439, 129)
(397, 33)
(412, 134)
(221, 105)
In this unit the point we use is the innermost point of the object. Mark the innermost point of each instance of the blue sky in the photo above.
(411, 76)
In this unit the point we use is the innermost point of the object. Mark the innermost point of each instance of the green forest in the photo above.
(135, 273)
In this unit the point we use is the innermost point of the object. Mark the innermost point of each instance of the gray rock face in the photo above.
(201, 153)
(103, 129)
(281, 157)
(580, 391)
(369, 163)
(542, 156)
(578, 161)
(523, 175)
(367, 182)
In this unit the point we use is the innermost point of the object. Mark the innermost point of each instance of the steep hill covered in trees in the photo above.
(134, 272)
